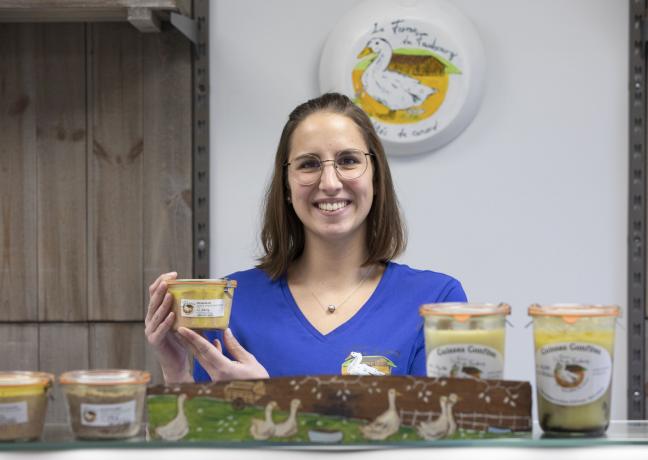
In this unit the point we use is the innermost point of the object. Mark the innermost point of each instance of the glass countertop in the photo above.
(59, 437)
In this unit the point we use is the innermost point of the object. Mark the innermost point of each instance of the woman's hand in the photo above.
(170, 352)
(218, 366)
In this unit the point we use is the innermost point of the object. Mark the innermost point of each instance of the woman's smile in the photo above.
(332, 207)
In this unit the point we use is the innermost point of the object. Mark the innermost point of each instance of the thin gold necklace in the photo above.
(331, 308)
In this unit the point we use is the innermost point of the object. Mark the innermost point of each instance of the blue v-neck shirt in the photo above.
(268, 323)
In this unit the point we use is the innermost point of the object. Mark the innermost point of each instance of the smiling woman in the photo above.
(326, 288)
(329, 205)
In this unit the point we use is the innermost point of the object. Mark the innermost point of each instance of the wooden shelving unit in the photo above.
(104, 152)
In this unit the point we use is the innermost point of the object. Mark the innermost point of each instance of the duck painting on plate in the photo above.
(394, 90)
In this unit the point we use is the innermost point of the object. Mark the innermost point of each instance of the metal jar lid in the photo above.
(461, 311)
(571, 313)
(25, 378)
(102, 377)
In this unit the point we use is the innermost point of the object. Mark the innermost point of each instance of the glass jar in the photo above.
(465, 340)
(105, 403)
(23, 404)
(202, 304)
(574, 346)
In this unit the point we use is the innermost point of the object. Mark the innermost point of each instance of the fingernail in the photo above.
(228, 331)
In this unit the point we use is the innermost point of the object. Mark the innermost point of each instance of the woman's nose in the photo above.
(329, 179)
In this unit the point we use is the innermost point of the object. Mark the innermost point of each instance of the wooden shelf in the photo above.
(145, 15)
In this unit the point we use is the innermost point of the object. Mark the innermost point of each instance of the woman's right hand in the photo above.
(171, 353)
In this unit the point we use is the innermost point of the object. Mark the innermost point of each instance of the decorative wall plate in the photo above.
(415, 67)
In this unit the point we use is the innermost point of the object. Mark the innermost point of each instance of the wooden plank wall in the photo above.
(95, 156)
(61, 171)
(18, 242)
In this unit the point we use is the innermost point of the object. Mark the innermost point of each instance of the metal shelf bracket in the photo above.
(636, 311)
(187, 26)
(200, 166)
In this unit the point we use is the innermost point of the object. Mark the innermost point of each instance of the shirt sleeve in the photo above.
(453, 293)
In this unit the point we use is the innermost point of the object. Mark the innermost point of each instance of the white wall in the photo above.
(527, 205)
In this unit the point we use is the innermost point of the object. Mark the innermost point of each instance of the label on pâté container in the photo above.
(573, 373)
(108, 414)
(465, 360)
(204, 308)
(13, 413)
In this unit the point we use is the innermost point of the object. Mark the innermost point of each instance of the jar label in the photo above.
(465, 360)
(13, 413)
(205, 308)
(108, 414)
(573, 373)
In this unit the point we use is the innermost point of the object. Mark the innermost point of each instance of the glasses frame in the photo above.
(335, 166)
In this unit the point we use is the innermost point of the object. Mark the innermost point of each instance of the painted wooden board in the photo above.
(18, 187)
(115, 173)
(340, 409)
(167, 204)
(61, 148)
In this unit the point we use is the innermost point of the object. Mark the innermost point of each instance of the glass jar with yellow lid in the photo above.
(23, 404)
(574, 347)
(202, 303)
(465, 340)
(105, 403)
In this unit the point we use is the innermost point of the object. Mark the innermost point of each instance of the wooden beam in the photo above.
(89, 4)
(144, 19)
(87, 10)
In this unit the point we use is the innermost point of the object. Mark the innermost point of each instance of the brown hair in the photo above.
(282, 234)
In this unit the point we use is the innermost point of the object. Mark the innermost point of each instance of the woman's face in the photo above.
(331, 208)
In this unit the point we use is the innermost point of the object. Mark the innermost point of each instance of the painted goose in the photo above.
(178, 427)
(392, 89)
(264, 429)
(289, 426)
(386, 423)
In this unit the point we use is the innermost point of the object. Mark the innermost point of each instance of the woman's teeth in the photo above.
(332, 206)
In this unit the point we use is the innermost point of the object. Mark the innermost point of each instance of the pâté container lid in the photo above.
(211, 282)
(101, 377)
(574, 309)
(461, 311)
(25, 378)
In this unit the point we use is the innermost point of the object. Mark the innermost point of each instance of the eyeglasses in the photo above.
(349, 164)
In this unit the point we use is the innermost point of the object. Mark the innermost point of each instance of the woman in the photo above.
(325, 298)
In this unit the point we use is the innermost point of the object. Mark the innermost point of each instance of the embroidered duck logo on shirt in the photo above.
(357, 364)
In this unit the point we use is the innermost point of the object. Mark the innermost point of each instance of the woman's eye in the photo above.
(348, 159)
(309, 163)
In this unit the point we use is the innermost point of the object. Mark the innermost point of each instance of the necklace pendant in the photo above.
(331, 308)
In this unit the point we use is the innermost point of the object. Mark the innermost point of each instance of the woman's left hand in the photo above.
(218, 366)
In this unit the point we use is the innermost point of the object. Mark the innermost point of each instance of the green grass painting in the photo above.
(212, 419)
